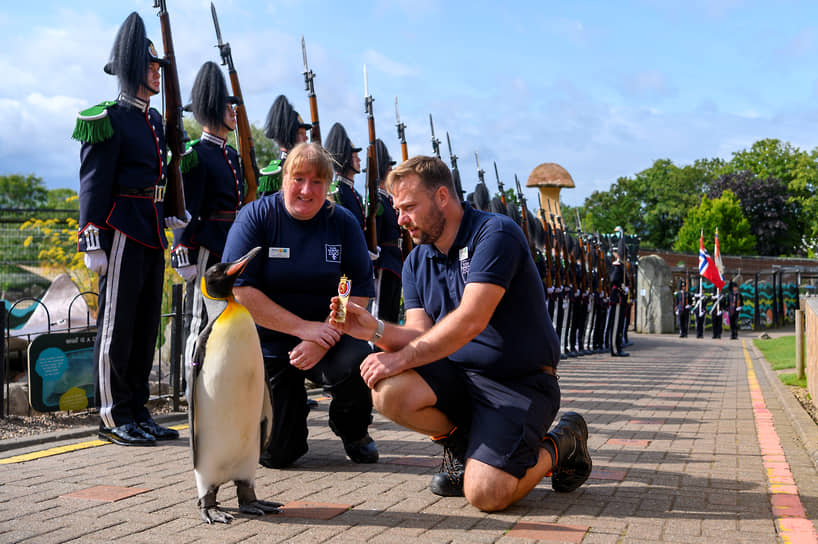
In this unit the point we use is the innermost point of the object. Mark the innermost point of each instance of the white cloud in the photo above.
(386, 65)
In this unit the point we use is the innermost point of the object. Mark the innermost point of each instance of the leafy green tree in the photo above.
(18, 191)
(62, 199)
(765, 204)
(722, 213)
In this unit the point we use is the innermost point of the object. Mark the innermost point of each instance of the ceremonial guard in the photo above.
(347, 164)
(287, 129)
(683, 308)
(700, 310)
(734, 303)
(214, 188)
(618, 305)
(121, 232)
(389, 265)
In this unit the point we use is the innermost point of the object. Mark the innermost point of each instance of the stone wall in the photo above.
(811, 339)
(654, 302)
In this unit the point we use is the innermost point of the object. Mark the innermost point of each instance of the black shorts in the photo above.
(506, 418)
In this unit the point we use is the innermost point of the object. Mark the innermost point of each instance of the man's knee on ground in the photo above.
(488, 488)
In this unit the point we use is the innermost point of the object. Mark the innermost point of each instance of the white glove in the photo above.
(549, 290)
(738, 308)
(374, 256)
(172, 222)
(188, 272)
(96, 261)
(687, 307)
(626, 290)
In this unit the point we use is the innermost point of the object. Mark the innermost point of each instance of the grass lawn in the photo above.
(780, 352)
(792, 379)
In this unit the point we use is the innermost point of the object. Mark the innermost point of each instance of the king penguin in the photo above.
(229, 404)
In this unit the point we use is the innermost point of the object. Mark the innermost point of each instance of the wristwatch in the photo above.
(378, 332)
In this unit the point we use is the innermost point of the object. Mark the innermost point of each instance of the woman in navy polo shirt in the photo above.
(308, 243)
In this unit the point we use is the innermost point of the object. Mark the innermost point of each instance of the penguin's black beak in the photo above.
(238, 265)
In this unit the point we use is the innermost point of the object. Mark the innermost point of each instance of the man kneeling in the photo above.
(475, 364)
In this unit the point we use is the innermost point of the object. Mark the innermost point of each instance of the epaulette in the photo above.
(190, 158)
(93, 125)
(270, 179)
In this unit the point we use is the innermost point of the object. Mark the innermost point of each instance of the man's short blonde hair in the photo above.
(433, 173)
(309, 156)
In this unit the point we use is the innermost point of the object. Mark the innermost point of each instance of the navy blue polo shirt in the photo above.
(488, 248)
(300, 262)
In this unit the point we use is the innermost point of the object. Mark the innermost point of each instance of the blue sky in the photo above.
(602, 88)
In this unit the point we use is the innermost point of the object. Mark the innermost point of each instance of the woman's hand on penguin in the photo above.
(306, 355)
(323, 334)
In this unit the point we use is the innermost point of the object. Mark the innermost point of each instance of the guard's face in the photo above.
(302, 136)
(154, 78)
(230, 117)
(419, 211)
(356, 162)
(304, 194)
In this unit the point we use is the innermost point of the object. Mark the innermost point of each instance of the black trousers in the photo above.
(700, 319)
(734, 324)
(130, 300)
(617, 322)
(717, 325)
(350, 410)
(684, 322)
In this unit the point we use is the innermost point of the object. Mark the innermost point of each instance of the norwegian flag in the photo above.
(707, 268)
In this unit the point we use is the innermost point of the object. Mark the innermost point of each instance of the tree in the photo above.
(766, 205)
(722, 213)
(17, 191)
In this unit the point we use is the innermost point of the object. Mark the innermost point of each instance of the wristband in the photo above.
(378, 332)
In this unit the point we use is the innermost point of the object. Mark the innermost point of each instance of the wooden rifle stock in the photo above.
(174, 131)
(309, 86)
(372, 197)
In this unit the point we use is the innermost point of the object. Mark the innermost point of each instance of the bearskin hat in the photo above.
(283, 123)
(209, 96)
(496, 206)
(384, 159)
(340, 147)
(481, 197)
(131, 55)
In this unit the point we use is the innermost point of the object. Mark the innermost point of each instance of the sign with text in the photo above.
(61, 371)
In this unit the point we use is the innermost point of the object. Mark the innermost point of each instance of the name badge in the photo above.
(464, 253)
(332, 253)
(279, 253)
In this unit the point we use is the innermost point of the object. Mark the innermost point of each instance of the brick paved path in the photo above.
(681, 437)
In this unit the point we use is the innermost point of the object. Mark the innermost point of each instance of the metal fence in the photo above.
(167, 367)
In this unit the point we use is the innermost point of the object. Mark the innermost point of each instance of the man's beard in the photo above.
(431, 234)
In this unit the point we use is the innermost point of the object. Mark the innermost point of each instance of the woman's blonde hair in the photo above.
(309, 156)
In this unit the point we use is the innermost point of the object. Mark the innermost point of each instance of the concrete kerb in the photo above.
(806, 428)
(71, 434)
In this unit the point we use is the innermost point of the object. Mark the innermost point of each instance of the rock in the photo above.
(18, 400)
(654, 301)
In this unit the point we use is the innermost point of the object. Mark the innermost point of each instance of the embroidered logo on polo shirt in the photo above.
(332, 253)
(465, 262)
(279, 253)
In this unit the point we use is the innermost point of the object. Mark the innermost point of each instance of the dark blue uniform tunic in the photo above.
(349, 198)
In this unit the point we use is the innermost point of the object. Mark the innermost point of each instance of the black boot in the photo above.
(449, 481)
(573, 463)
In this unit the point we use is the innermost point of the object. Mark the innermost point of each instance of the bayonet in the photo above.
(404, 151)
(500, 184)
(481, 174)
(309, 86)
(435, 141)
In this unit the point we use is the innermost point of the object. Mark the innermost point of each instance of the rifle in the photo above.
(548, 257)
(406, 243)
(481, 174)
(309, 86)
(404, 151)
(603, 269)
(458, 187)
(174, 130)
(435, 141)
(571, 276)
(551, 228)
(500, 185)
(524, 220)
(372, 196)
(247, 149)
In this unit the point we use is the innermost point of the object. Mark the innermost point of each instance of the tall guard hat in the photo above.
(340, 147)
(481, 197)
(131, 55)
(209, 96)
(384, 159)
(283, 123)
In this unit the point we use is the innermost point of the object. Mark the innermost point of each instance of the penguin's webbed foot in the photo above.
(260, 508)
(214, 514)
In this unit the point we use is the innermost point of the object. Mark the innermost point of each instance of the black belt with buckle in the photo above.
(156, 192)
(223, 216)
(391, 243)
(550, 370)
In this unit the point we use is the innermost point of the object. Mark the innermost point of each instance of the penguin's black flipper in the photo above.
(192, 375)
